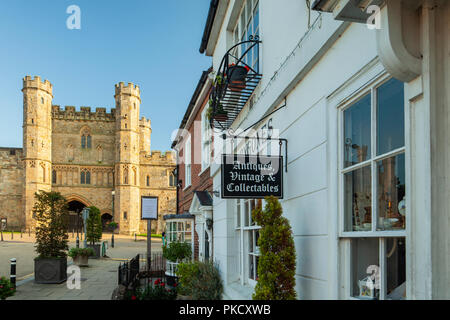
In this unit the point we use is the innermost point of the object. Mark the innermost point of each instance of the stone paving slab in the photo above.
(99, 284)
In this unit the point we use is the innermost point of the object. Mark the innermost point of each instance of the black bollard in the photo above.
(78, 242)
(135, 237)
(112, 240)
(12, 276)
(1, 232)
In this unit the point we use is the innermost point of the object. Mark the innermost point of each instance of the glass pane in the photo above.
(188, 236)
(238, 213)
(250, 242)
(358, 200)
(390, 116)
(256, 268)
(391, 193)
(188, 226)
(246, 212)
(357, 132)
(395, 269)
(251, 271)
(365, 259)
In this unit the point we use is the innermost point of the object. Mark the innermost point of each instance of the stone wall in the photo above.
(11, 187)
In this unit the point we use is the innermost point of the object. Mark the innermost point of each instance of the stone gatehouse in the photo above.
(95, 158)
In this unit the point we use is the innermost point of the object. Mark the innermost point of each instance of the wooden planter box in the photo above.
(50, 270)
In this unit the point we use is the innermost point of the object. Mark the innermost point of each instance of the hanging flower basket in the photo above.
(236, 76)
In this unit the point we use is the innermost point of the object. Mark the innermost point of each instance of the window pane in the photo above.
(83, 142)
(82, 178)
(250, 242)
(88, 177)
(251, 271)
(391, 193)
(395, 269)
(390, 116)
(358, 200)
(357, 132)
(238, 213)
(365, 253)
(246, 213)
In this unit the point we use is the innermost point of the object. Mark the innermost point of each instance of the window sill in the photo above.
(373, 234)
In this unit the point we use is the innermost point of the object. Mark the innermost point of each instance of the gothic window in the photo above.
(86, 140)
(54, 176)
(125, 176)
(148, 181)
(85, 176)
(171, 180)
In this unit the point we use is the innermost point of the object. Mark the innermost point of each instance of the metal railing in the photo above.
(142, 266)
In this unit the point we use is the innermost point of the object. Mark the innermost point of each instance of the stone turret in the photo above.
(127, 156)
(145, 130)
(37, 139)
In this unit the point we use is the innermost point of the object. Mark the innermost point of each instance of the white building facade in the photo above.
(365, 115)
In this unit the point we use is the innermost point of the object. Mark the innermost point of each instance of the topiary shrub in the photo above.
(94, 227)
(276, 267)
(200, 280)
(50, 210)
(177, 251)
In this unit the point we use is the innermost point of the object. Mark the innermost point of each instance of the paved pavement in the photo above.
(98, 280)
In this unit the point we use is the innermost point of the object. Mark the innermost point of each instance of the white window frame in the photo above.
(206, 141)
(187, 163)
(346, 237)
(240, 32)
(244, 232)
(175, 234)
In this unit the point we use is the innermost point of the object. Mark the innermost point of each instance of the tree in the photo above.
(51, 212)
(94, 226)
(276, 267)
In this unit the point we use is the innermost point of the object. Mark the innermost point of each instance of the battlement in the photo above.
(37, 83)
(130, 89)
(85, 113)
(156, 156)
(145, 123)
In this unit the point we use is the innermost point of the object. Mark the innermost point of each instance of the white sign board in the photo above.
(149, 208)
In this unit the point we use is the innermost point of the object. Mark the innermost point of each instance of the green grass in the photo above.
(153, 235)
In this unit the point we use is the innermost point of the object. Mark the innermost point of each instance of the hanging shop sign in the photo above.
(251, 177)
(149, 208)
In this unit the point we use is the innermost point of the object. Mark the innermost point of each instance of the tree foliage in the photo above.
(94, 226)
(51, 214)
(276, 267)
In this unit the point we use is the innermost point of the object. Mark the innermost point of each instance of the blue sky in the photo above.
(152, 43)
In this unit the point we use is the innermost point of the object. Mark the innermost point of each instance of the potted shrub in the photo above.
(199, 281)
(6, 288)
(50, 210)
(81, 256)
(276, 267)
(175, 253)
(94, 230)
(237, 77)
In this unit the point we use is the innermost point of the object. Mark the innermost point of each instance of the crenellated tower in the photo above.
(145, 128)
(37, 140)
(127, 193)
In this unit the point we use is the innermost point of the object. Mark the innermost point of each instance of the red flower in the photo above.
(157, 281)
(163, 284)
(133, 297)
(247, 68)
(175, 284)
